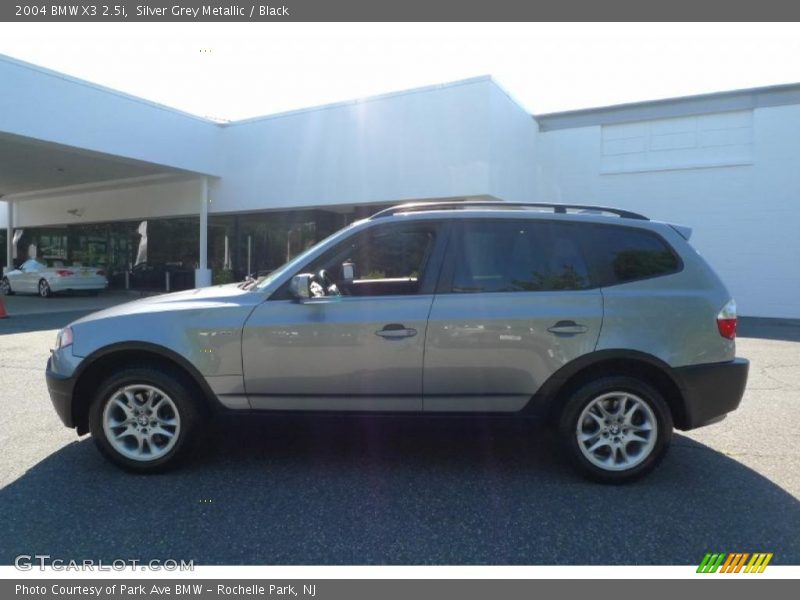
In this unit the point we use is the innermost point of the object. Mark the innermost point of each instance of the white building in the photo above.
(81, 167)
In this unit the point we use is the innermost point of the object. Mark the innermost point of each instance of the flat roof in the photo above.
(760, 97)
(225, 122)
(101, 88)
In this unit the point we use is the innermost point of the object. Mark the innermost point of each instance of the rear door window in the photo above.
(516, 256)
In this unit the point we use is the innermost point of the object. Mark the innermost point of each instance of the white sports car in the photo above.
(34, 277)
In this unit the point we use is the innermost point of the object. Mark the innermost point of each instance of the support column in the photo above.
(9, 236)
(202, 276)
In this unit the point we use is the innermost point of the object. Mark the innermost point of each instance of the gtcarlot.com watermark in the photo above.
(29, 562)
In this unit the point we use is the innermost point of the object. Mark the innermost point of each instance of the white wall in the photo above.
(733, 176)
(513, 136)
(746, 217)
(437, 142)
(465, 139)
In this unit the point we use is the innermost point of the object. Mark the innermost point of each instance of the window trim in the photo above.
(591, 264)
(432, 269)
(445, 283)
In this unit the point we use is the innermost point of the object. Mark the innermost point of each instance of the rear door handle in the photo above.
(569, 327)
(394, 331)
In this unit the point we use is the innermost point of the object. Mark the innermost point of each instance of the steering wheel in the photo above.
(327, 283)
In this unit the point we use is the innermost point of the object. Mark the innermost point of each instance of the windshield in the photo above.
(300, 258)
(32, 265)
(36, 264)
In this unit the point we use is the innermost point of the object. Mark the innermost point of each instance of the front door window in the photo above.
(385, 260)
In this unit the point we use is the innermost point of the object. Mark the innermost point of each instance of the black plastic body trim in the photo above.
(542, 400)
(61, 389)
(711, 391)
(707, 391)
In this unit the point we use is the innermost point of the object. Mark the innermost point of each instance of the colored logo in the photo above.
(734, 562)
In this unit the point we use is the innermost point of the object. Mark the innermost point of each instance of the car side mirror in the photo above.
(300, 286)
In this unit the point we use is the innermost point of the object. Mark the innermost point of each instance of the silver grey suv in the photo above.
(600, 321)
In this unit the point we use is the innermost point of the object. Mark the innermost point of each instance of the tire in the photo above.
(5, 287)
(44, 289)
(616, 446)
(176, 412)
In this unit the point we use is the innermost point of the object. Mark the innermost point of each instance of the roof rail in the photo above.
(458, 204)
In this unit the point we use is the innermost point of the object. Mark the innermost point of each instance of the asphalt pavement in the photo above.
(290, 490)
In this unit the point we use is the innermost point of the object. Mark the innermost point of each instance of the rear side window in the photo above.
(622, 254)
(516, 256)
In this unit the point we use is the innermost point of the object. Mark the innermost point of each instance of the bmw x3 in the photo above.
(599, 321)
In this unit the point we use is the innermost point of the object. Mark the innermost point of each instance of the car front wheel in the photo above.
(616, 429)
(144, 419)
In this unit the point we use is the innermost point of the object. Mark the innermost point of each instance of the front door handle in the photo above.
(395, 331)
(569, 327)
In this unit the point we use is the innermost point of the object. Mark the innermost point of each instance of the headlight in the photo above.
(64, 338)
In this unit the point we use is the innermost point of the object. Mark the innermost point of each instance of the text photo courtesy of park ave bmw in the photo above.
(343, 309)
(161, 590)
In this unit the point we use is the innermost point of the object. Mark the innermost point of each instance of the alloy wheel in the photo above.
(141, 422)
(617, 431)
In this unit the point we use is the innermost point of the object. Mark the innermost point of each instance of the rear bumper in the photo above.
(711, 391)
(60, 388)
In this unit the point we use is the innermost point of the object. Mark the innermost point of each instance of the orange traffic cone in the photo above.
(3, 313)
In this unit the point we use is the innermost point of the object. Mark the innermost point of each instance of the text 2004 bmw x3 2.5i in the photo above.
(599, 320)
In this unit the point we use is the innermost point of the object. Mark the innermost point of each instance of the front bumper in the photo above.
(711, 391)
(60, 388)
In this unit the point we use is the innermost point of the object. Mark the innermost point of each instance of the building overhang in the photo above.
(33, 167)
(75, 120)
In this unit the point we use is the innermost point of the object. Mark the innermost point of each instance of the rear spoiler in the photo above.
(684, 231)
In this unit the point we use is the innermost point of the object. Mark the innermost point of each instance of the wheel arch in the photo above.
(95, 367)
(553, 394)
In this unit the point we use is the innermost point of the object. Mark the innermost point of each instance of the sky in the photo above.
(241, 70)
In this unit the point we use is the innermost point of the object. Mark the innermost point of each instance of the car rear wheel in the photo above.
(5, 287)
(144, 419)
(44, 289)
(616, 429)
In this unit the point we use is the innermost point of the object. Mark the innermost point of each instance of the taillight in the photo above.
(726, 320)
(64, 273)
